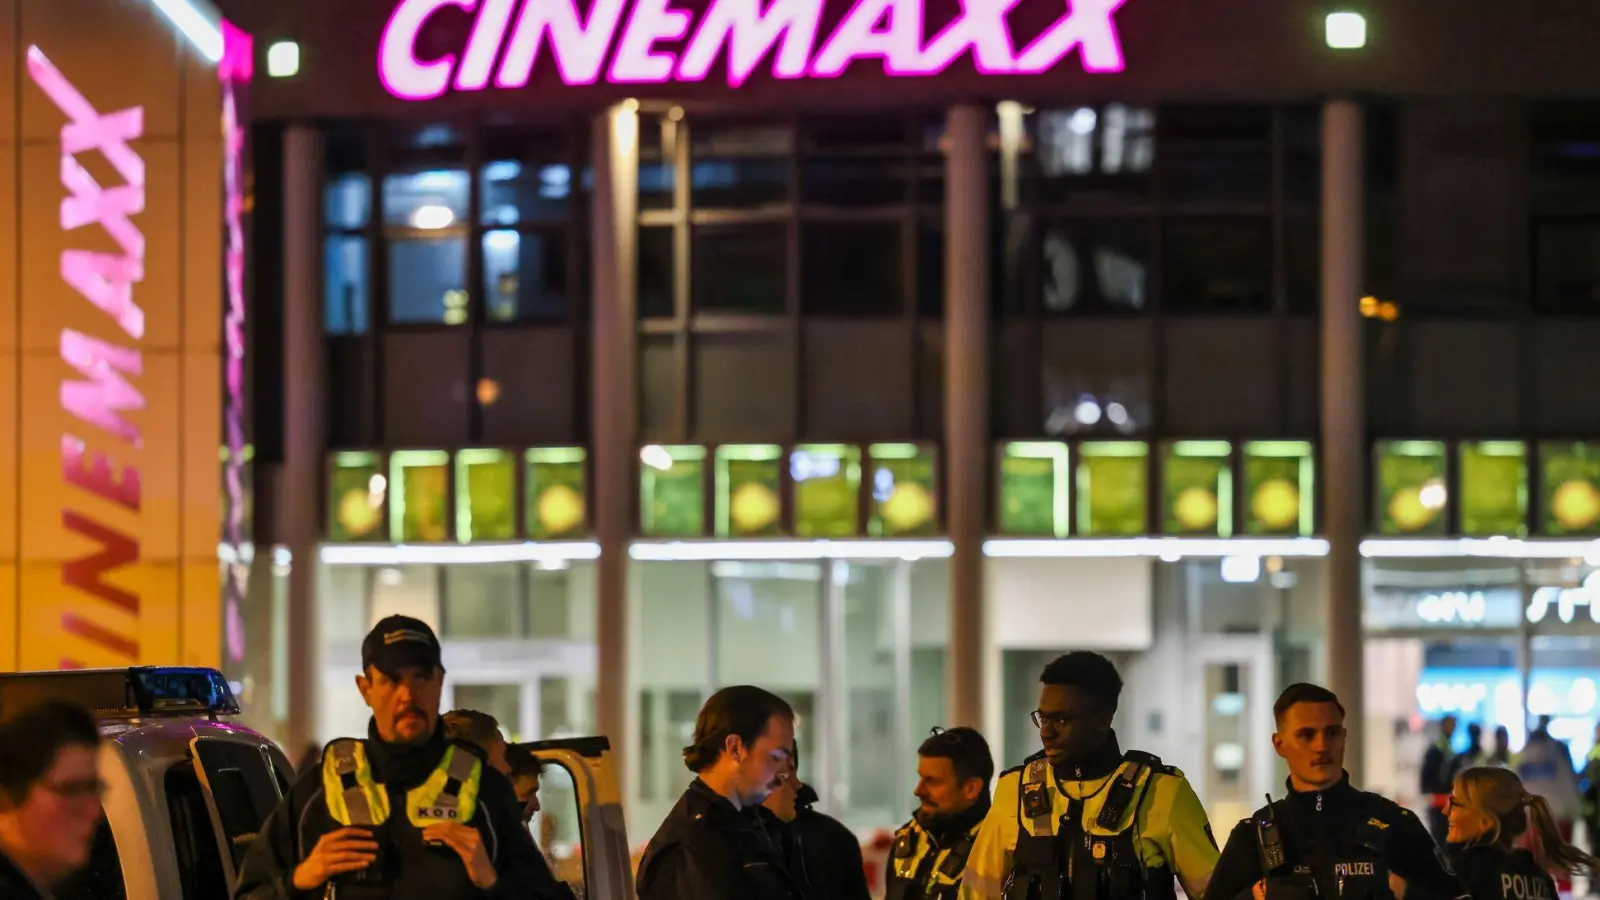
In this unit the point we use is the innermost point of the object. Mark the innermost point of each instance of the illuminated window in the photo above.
(905, 485)
(672, 491)
(557, 498)
(525, 274)
(345, 291)
(1569, 496)
(749, 500)
(357, 488)
(1413, 496)
(827, 490)
(486, 496)
(420, 501)
(1034, 489)
(1197, 486)
(1494, 488)
(1280, 488)
(1113, 488)
(431, 200)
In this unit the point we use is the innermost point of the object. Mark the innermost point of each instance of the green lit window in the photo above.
(557, 502)
(486, 496)
(1197, 486)
(1034, 489)
(1570, 489)
(749, 499)
(1411, 488)
(672, 491)
(1280, 488)
(905, 487)
(419, 504)
(1113, 488)
(1494, 488)
(827, 490)
(356, 491)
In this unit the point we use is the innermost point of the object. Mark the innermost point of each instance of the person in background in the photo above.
(1489, 810)
(1473, 755)
(1501, 754)
(1437, 767)
(821, 851)
(929, 857)
(50, 793)
(482, 731)
(526, 770)
(1545, 767)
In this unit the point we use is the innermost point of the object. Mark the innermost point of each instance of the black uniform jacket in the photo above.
(822, 853)
(1343, 838)
(1499, 873)
(14, 885)
(708, 850)
(412, 870)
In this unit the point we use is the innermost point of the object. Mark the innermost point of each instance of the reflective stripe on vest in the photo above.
(354, 798)
(450, 794)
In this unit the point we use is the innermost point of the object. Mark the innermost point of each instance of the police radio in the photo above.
(1280, 885)
(1270, 838)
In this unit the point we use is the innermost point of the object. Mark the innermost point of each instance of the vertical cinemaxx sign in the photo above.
(105, 387)
(650, 42)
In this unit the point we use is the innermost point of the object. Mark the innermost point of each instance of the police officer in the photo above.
(1083, 820)
(1489, 812)
(930, 852)
(1327, 840)
(713, 845)
(405, 814)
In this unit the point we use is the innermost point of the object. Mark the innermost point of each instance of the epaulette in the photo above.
(1151, 762)
(1039, 755)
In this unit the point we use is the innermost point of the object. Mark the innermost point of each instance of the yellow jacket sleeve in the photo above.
(1186, 841)
(990, 860)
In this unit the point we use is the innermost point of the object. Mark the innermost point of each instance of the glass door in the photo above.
(1233, 697)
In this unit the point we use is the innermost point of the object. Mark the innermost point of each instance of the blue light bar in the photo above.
(124, 693)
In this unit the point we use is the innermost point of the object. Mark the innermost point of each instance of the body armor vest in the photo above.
(919, 862)
(450, 794)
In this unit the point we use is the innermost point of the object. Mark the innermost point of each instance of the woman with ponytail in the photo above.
(1489, 810)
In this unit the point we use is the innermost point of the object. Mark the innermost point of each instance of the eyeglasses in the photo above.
(1054, 720)
(953, 737)
(80, 789)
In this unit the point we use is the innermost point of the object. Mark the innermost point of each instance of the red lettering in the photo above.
(98, 477)
(87, 573)
(77, 626)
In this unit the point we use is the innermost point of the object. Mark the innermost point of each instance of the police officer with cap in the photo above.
(406, 813)
(1084, 820)
(1327, 840)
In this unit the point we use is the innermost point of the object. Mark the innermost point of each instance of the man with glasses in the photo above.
(1083, 820)
(49, 797)
(930, 852)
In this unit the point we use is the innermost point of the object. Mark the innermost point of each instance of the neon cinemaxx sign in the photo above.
(638, 48)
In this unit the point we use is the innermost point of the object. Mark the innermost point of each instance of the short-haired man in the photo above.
(516, 763)
(713, 846)
(49, 797)
(1083, 819)
(930, 852)
(407, 813)
(1327, 839)
(822, 852)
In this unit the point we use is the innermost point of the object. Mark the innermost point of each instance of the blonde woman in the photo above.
(1488, 811)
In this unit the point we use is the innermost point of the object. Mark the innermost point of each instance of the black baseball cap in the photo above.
(399, 641)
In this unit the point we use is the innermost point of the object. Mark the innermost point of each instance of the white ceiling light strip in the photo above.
(1475, 548)
(456, 554)
(681, 551)
(199, 22)
(1153, 548)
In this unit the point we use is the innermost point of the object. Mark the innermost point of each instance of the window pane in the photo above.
(421, 481)
(1034, 489)
(657, 273)
(740, 269)
(1279, 483)
(1089, 155)
(503, 701)
(657, 166)
(511, 191)
(427, 280)
(905, 485)
(1570, 498)
(880, 133)
(930, 267)
(1565, 156)
(740, 166)
(551, 603)
(486, 506)
(344, 287)
(1113, 485)
(852, 269)
(1217, 265)
(411, 590)
(1494, 488)
(749, 502)
(874, 776)
(1567, 274)
(672, 491)
(768, 621)
(480, 601)
(557, 827)
(347, 201)
(1412, 494)
(1217, 154)
(1094, 265)
(433, 199)
(827, 490)
(557, 503)
(844, 181)
(356, 491)
(1197, 484)
(525, 274)
(1303, 263)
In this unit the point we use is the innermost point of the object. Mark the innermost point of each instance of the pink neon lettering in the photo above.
(652, 21)
(488, 32)
(99, 477)
(1087, 25)
(981, 26)
(102, 398)
(860, 36)
(749, 34)
(579, 48)
(107, 282)
(403, 74)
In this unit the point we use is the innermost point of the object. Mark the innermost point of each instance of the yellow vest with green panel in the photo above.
(920, 866)
(354, 798)
(1118, 836)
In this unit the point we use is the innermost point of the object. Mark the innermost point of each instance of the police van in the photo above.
(187, 790)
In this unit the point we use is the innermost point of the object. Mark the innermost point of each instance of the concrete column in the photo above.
(966, 399)
(299, 483)
(613, 404)
(1343, 419)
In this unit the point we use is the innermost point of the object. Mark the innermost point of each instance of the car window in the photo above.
(101, 878)
(200, 868)
(558, 826)
(244, 787)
